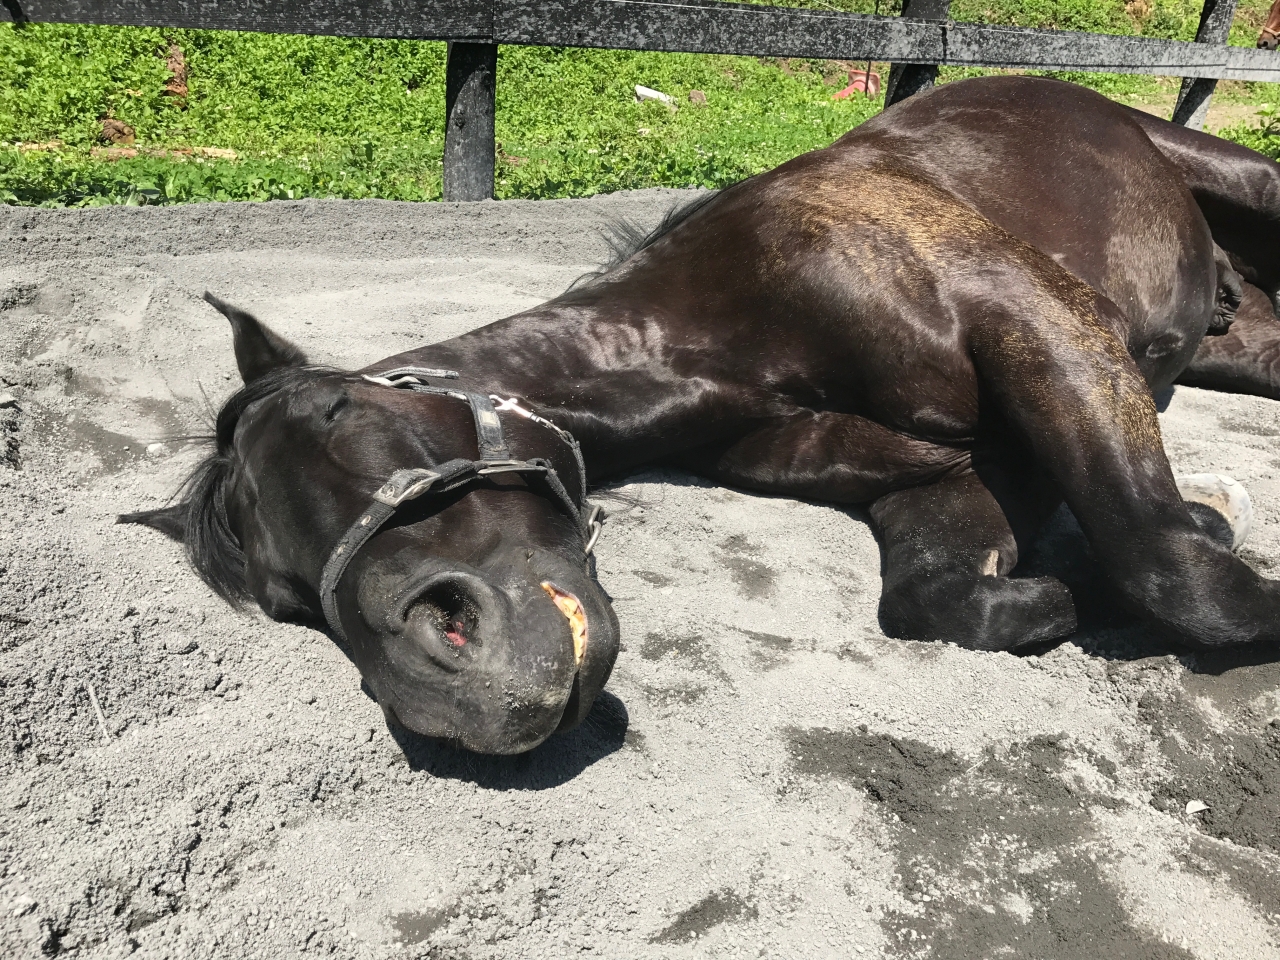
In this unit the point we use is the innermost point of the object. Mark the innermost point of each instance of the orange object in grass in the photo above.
(860, 81)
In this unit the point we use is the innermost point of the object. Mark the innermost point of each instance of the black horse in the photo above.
(957, 314)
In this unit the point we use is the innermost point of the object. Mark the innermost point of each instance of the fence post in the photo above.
(1193, 98)
(906, 79)
(469, 90)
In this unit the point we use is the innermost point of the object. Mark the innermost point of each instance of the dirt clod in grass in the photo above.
(176, 85)
(117, 132)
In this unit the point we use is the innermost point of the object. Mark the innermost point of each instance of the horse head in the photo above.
(458, 582)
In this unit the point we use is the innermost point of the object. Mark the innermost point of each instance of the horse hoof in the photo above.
(1223, 494)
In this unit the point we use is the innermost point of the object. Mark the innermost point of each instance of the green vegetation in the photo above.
(306, 116)
(311, 116)
(267, 117)
(1165, 19)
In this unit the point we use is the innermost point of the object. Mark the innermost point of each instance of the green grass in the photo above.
(334, 117)
(569, 121)
(361, 118)
(310, 116)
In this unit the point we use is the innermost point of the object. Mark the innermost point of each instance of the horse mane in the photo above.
(625, 239)
(212, 546)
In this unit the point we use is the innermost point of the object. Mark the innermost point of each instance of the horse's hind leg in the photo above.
(1063, 380)
(1245, 359)
(948, 548)
(1237, 190)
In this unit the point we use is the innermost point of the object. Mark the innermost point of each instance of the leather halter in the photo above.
(415, 482)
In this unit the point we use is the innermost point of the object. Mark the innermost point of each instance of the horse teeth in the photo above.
(568, 604)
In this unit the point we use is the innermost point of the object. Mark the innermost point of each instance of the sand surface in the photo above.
(767, 774)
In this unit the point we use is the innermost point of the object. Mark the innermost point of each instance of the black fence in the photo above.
(916, 43)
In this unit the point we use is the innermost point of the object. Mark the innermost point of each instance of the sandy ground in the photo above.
(1221, 115)
(767, 774)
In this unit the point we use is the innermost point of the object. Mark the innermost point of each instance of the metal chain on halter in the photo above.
(593, 525)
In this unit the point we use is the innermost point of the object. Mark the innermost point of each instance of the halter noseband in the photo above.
(495, 458)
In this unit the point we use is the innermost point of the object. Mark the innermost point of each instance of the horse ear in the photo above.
(171, 520)
(259, 349)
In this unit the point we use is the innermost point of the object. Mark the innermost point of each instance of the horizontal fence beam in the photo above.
(709, 27)
(977, 45)
(676, 26)
(406, 19)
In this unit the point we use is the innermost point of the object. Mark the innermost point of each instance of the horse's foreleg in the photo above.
(1245, 359)
(1066, 384)
(824, 455)
(947, 549)
(948, 536)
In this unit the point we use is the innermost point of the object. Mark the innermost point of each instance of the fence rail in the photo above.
(923, 36)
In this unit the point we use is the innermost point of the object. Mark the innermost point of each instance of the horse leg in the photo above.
(1237, 190)
(1065, 383)
(1245, 359)
(947, 541)
(960, 515)
(825, 455)
(948, 548)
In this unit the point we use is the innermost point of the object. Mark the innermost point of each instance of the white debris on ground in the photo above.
(648, 93)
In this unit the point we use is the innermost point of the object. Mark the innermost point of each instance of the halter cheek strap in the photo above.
(495, 457)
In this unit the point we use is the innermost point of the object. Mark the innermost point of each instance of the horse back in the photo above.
(883, 245)
(1072, 174)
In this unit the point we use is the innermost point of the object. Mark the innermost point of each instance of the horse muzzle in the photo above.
(493, 660)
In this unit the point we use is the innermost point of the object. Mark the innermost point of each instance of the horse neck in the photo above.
(622, 381)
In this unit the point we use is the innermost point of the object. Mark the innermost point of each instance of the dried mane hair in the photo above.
(211, 544)
(625, 239)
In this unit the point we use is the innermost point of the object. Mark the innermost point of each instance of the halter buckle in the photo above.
(405, 485)
(408, 376)
(594, 528)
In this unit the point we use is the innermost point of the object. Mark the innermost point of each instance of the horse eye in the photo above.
(336, 407)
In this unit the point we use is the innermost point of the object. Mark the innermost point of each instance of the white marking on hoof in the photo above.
(1223, 494)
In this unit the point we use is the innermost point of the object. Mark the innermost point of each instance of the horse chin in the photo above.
(492, 661)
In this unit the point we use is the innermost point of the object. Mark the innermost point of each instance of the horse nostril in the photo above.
(447, 608)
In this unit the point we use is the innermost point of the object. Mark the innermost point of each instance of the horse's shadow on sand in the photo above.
(561, 758)
(558, 760)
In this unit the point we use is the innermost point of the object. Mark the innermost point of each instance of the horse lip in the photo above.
(573, 610)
